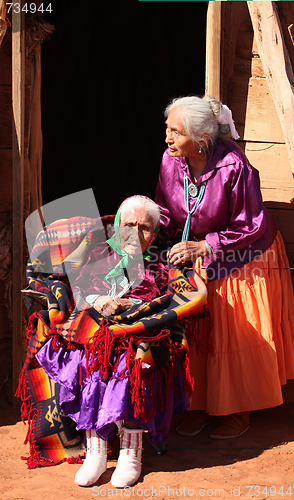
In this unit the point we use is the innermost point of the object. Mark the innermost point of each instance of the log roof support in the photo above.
(18, 117)
(213, 49)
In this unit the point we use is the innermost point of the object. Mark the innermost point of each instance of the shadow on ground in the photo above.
(269, 428)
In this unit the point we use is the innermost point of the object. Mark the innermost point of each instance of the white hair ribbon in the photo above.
(226, 118)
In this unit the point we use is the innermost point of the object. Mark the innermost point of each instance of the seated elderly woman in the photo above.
(105, 403)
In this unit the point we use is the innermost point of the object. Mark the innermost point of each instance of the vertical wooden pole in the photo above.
(18, 111)
(213, 50)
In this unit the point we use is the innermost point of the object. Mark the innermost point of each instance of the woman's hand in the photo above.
(107, 306)
(187, 251)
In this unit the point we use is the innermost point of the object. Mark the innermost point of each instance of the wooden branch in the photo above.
(277, 66)
(213, 49)
(18, 113)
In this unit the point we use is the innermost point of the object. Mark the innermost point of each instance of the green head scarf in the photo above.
(115, 243)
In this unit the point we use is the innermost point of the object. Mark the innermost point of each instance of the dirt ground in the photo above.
(259, 464)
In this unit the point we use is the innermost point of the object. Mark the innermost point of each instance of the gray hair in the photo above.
(199, 116)
(138, 201)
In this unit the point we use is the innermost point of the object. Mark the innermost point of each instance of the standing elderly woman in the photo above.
(102, 406)
(211, 204)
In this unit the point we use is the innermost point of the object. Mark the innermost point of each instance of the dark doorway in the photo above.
(108, 71)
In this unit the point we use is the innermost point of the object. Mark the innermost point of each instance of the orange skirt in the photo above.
(252, 338)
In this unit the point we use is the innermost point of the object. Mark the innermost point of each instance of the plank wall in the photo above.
(244, 87)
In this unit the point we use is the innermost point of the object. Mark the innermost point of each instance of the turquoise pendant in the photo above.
(193, 191)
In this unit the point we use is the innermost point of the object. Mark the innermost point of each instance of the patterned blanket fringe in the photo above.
(22, 392)
(106, 347)
(194, 337)
(35, 460)
(168, 371)
(58, 341)
(99, 355)
(26, 409)
(28, 413)
(98, 352)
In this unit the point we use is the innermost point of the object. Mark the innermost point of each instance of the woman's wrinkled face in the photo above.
(178, 140)
(136, 231)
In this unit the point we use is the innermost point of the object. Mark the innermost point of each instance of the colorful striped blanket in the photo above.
(152, 333)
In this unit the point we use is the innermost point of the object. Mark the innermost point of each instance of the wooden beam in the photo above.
(277, 66)
(18, 112)
(36, 140)
(213, 49)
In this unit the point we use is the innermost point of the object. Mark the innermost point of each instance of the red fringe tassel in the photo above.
(105, 348)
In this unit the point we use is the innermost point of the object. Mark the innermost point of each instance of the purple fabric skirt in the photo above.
(94, 403)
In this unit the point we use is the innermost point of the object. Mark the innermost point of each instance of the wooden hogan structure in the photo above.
(249, 65)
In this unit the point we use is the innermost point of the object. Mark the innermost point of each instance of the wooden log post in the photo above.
(277, 66)
(213, 50)
(36, 139)
(18, 115)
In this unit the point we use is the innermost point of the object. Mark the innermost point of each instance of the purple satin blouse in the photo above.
(231, 216)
